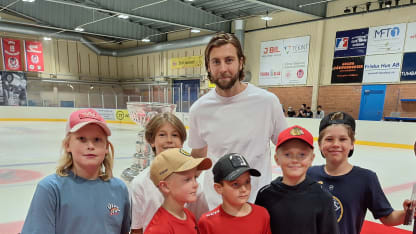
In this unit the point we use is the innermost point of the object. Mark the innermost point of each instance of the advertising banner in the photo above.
(13, 89)
(351, 43)
(348, 70)
(186, 62)
(409, 67)
(387, 39)
(410, 43)
(123, 116)
(382, 68)
(284, 61)
(11, 54)
(107, 114)
(34, 56)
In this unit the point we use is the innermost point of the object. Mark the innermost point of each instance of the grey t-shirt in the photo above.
(71, 204)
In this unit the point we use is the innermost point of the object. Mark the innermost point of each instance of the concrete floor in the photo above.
(29, 151)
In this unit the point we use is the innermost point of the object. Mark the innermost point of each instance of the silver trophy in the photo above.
(141, 113)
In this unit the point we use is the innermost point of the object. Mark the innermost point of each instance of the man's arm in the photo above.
(200, 153)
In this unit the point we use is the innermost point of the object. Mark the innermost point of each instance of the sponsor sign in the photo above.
(34, 56)
(408, 67)
(107, 114)
(348, 70)
(410, 44)
(123, 116)
(11, 54)
(351, 43)
(186, 62)
(382, 68)
(284, 61)
(387, 39)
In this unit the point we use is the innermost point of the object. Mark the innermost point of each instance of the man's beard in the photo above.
(226, 85)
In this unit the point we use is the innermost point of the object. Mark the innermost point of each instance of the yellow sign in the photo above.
(211, 85)
(186, 62)
(122, 116)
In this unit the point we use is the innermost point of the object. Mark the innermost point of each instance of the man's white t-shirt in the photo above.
(244, 124)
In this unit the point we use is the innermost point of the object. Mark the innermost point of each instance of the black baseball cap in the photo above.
(230, 166)
(338, 118)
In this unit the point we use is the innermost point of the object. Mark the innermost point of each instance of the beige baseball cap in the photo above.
(175, 160)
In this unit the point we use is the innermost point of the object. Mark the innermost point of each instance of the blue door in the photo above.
(372, 102)
(185, 93)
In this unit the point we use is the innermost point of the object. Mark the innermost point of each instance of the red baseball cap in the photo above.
(83, 117)
(295, 132)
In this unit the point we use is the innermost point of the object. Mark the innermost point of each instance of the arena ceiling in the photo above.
(121, 20)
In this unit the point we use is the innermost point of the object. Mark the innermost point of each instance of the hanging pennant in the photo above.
(11, 54)
(34, 56)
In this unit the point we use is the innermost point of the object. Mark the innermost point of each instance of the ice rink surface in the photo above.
(30, 150)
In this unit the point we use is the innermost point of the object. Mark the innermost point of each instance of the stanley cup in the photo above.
(141, 113)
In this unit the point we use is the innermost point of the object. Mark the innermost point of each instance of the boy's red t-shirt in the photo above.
(164, 222)
(218, 221)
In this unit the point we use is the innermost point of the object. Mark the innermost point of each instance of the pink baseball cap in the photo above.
(81, 118)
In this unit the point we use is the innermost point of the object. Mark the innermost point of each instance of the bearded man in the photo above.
(235, 117)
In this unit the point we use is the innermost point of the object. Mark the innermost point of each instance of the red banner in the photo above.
(11, 54)
(34, 56)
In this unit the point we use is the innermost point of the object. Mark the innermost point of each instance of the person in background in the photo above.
(339, 177)
(234, 117)
(309, 113)
(302, 111)
(291, 112)
(82, 196)
(164, 131)
(319, 114)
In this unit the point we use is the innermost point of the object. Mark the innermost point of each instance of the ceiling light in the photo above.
(189, 0)
(347, 10)
(47, 38)
(195, 30)
(123, 16)
(28, 0)
(387, 3)
(266, 18)
(146, 40)
(79, 29)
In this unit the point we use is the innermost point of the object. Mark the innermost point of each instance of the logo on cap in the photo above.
(184, 152)
(237, 161)
(88, 115)
(296, 132)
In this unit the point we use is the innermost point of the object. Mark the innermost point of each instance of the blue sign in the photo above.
(409, 67)
(351, 43)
